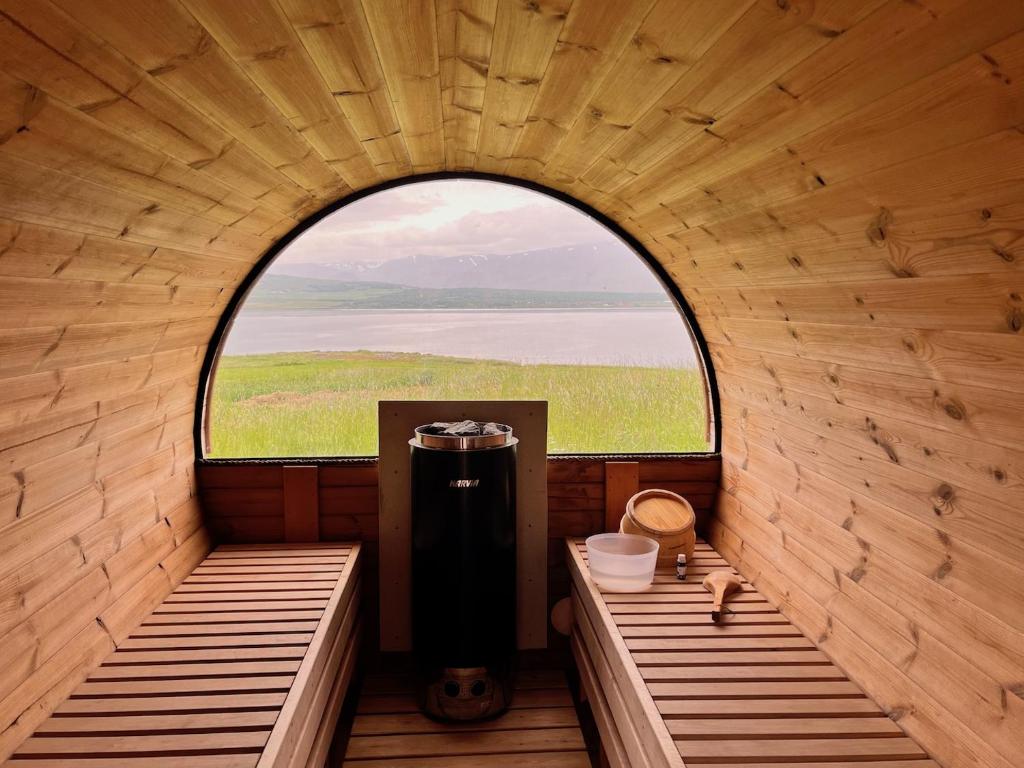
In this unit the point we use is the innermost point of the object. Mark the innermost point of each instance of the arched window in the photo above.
(455, 289)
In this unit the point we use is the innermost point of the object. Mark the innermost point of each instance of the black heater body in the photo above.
(464, 572)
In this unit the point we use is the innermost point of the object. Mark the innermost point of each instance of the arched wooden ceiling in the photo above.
(836, 187)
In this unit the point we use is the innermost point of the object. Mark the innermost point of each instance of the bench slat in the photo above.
(750, 691)
(207, 679)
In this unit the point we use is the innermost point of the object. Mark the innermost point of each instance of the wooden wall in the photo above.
(834, 184)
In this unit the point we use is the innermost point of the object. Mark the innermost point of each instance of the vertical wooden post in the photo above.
(621, 481)
(301, 504)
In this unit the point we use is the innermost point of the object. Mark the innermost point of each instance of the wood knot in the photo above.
(943, 570)
(1003, 254)
(954, 410)
(998, 475)
(877, 231)
(986, 214)
(795, 261)
(943, 499)
(1015, 320)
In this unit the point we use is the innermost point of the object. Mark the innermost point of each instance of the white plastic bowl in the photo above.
(622, 562)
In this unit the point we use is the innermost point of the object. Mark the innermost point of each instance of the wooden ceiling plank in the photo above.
(741, 62)
(164, 39)
(983, 175)
(43, 196)
(405, 36)
(975, 233)
(966, 101)
(32, 251)
(847, 75)
(50, 50)
(51, 134)
(465, 35)
(337, 38)
(259, 38)
(524, 39)
(671, 40)
(591, 41)
(965, 242)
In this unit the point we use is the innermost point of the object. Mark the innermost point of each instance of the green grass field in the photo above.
(325, 403)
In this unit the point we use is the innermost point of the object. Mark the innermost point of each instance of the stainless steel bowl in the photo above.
(463, 442)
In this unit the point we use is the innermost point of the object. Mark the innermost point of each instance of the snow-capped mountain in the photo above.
(568, 268)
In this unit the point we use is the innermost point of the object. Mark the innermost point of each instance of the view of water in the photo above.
(650, 337)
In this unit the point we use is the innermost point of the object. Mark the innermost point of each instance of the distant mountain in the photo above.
(286, 292)
(568, 268)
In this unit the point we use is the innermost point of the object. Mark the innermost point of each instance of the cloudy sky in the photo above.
(448, 218)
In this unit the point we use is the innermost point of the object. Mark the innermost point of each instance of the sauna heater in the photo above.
(464, 568)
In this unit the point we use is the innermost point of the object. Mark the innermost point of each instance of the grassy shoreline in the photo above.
(325, 403)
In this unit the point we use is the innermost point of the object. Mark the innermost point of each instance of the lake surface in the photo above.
(652, 337)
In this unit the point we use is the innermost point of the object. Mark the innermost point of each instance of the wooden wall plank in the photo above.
(301, 503)
(621, 481)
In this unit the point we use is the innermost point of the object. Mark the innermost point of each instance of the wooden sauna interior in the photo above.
(836, 187)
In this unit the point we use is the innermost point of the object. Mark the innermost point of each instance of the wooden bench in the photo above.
(245, 664)
(669, 687)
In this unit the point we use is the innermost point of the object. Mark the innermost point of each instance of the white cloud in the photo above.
(458, 217)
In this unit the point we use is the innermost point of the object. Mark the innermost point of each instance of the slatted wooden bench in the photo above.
(666, 685)
(540, 730)
(246, 663)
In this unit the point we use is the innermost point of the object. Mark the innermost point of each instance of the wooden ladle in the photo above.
(720, 584)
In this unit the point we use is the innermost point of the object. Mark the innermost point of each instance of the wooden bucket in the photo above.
(665, 517)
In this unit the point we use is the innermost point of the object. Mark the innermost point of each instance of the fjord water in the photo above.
(644, 337)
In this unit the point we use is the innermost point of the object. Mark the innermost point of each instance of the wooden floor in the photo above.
(750, 690)
(203, 682)
(540, 730)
